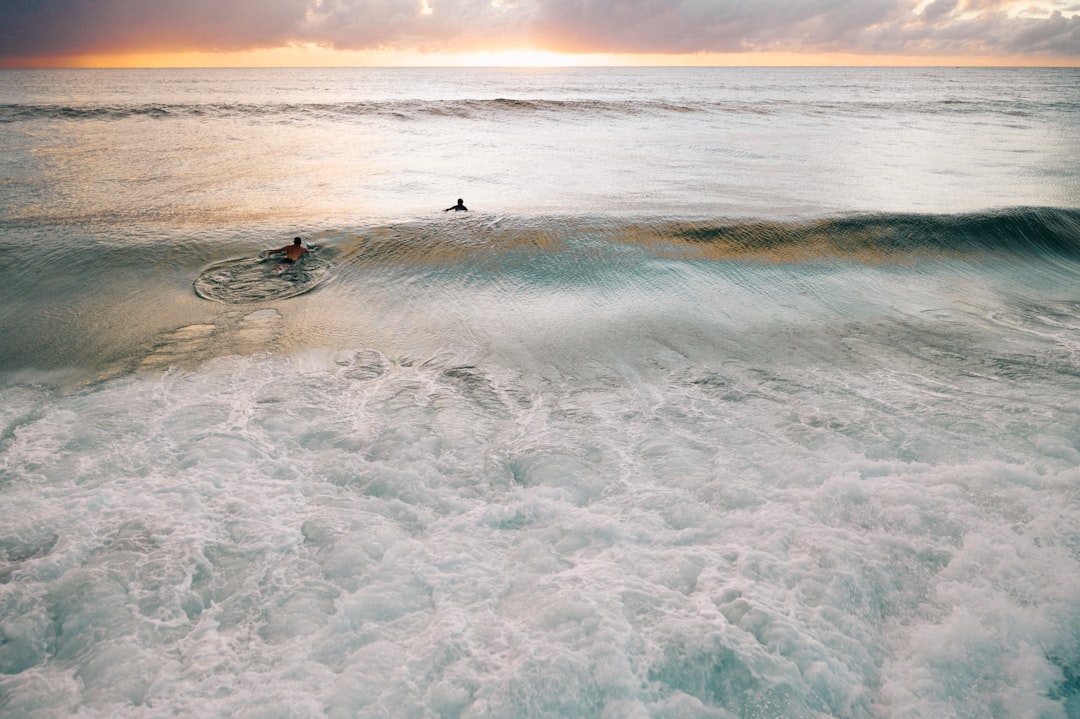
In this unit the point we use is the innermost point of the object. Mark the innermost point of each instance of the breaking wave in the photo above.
(494, 108)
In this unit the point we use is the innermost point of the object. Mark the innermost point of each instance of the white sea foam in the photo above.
(371, 537)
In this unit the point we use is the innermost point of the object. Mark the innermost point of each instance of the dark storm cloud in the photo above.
(30, 28)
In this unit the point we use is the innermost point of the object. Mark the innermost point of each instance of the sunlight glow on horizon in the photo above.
(317, 56)
(311, 55)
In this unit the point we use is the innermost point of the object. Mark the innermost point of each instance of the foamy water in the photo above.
(632, 459)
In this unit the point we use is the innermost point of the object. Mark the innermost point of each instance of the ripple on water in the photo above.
(251, 279)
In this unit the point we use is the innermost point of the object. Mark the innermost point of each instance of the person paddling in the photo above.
(292, 252)
(459, 207)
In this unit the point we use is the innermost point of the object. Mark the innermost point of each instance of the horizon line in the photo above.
(555, 66)
(301, 56)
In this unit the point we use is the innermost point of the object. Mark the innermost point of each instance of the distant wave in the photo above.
(502, 107)
(399, 109)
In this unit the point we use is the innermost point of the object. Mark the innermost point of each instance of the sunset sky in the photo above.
(156, 33)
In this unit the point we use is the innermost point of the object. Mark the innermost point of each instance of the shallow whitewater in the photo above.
(849, 509)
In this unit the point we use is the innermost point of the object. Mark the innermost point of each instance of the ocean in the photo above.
(737, 392)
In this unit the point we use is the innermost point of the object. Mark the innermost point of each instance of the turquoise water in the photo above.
(737, 393)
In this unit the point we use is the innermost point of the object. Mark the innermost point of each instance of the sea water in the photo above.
(736, 393)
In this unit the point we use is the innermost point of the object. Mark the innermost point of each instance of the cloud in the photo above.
(1056, 34)
(703, 26)
(67, 27)
(42, 28)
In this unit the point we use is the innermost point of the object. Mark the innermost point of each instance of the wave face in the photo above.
(734, 394)
(597, 261)
(1024, 232)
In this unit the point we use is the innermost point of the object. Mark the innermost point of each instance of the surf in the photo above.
(692, 414)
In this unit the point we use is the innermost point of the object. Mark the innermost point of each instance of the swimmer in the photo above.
(292, 252)
(459, 207)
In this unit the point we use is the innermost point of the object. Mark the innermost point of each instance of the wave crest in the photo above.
(502, 107)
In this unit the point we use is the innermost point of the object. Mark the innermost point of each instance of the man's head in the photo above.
(296, 241)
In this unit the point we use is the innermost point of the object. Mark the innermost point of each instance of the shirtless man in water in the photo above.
(292, 252)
